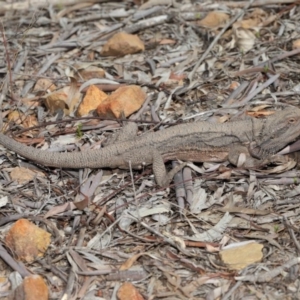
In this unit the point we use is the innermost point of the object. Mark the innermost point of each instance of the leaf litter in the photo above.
(193, 61)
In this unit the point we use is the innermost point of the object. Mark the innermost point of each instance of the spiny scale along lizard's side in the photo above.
(197, 142)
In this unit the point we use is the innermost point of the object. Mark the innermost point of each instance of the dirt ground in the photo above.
(218, 231)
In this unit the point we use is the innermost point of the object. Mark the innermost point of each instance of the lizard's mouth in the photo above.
(265, 149)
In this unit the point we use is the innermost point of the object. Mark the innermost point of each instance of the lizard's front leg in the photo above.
(251, 161)
(163, 178)
(234, 155)
(147, 155)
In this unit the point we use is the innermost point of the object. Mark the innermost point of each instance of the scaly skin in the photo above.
(198, 142)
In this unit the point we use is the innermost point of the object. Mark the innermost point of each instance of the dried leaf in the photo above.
(129, 262)
(23, 175)
(60, 209)
(214, 19)
(245, 39)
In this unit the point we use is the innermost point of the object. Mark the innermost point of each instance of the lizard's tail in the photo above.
(90, 158)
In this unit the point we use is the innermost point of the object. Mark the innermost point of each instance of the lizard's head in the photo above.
(278, 130)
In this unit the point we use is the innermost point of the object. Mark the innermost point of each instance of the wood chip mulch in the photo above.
(227, 232)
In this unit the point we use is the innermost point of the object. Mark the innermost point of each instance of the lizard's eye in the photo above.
(292, 120)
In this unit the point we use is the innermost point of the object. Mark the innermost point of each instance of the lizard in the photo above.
(201, 141)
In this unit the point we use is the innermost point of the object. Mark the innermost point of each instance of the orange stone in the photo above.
(128, 291)
(27, 240)
(123, 102)
(93, 98)
(121, 44)
(35, 288)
